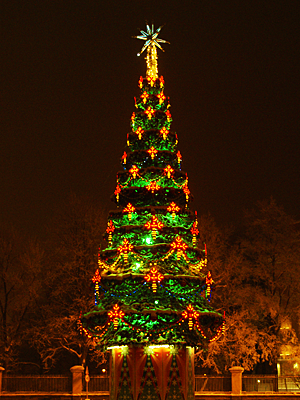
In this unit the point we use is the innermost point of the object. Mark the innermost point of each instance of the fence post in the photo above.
(1, 370)
(236, 379)
(77, 372)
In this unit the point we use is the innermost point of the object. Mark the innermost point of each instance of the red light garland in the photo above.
(149, 112)
(190, 313)
(139, 132)
(209, 281)
(96, 280)
(144, 96)
(153, 186)
(141, 82)
(169, 116)
(125, 248)
(173, 208)
(195, 232)
(124, 157)
(161, 97)
(110, 229)
(115, 315)
(187, 191)
(117, 192)
(130, 209)
(134, 170)
(151, 80)
(168, 171)
(179, 157)
(154, 225)
(179, 246)
(154, 276)
(164, 131)
(152, 151)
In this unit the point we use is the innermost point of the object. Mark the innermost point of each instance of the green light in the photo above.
(148, 240)
(136, 267)
(156, 302)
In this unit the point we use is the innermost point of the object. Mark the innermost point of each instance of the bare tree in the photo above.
(20, 271)
(72, 261)
(257, 277)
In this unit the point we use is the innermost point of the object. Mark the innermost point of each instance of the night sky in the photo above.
(68, 75)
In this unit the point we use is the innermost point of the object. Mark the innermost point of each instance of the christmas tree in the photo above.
(151, 286)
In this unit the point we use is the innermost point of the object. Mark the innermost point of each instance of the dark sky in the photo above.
(68, 75)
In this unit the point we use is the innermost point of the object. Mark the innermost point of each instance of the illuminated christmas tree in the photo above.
(151, 288)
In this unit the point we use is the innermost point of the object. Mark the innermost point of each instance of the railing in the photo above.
(98, 383)
(260, 383)
(203, 383)
(271, 383)
(37, 383)
(289, 384)
(212, 383)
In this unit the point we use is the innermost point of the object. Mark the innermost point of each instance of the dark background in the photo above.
(68, 75)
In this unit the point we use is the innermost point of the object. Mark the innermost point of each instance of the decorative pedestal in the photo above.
(1, 370)
(147, 373)
(77, 373)
(236, 379)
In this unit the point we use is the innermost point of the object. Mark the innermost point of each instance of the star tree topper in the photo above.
(151, 43)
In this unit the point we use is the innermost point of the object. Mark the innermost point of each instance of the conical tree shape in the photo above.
(150, 287)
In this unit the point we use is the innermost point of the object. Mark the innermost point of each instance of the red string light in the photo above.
(169, 116)
(180, 247)
(149, 112)
(173, 208)
(154, 276)
(110, 229)
(151, 80)
(161, 97)
(154, 225)
(168, 171)
(194, 232)
(117, 192)
(141, 82)
(130, 209)
(139, 132)
(115, 314)
(164, 131)
(124, 157)
(125, 248)
(144, 96)
(153, 187)
(190, 313)
(152, 151)
(134, 170)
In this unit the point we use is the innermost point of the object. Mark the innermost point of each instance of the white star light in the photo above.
(151, 38)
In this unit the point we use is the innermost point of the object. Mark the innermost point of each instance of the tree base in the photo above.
(152, 373)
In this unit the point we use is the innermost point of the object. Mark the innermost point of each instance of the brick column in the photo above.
(77, 373)
(1, 370)
(236, 379)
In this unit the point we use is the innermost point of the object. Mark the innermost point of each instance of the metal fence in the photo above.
(98, 383)
(212, 383)
(289, 384)
(260, 383)
(271, 383)
(36, 383)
